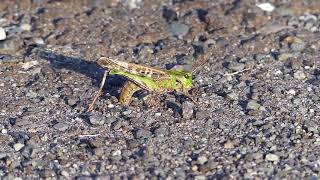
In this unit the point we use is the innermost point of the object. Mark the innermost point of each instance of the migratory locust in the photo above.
(143, 77)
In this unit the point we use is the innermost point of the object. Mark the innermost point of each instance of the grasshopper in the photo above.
(143, 77)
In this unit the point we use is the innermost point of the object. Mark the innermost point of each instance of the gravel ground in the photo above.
(257, 112)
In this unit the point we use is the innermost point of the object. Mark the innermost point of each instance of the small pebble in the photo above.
(116, 153)
(98, 151)
(35, 71)
(266, 7)
(194, 168)
(111, 119)
(31, 94)
(65, 173)
(116, 125)
(11, 45)
(178, 29)
(3, 34)
(4, 131)
(132, 3)
(187, 110)
(229, 145)
(126, 112)
(110, 105)
(61, 126)
(272, 157)
(29, 64)
(210, 42)
(253, 105)
(72, 101)
(292, 92)
(285, 56)
(300, 75)
(39, 41)
(162, 130)
(235, 66)
(18, 146)
(46, 173)
(298, 46)
(44, 138)
(142, 134)
(233, 96)
(202, 159)
(3, 155)
(97, 119)
(32, 130)
(133, 143)
(257, 155)
(200, 177)
(25, 27)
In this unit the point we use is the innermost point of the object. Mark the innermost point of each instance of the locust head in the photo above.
(183, 80)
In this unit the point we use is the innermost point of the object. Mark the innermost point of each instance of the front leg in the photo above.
(98, 92)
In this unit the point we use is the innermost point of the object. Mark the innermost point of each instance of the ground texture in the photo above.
(257, 95)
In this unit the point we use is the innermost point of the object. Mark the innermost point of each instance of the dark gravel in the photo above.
(256, 113)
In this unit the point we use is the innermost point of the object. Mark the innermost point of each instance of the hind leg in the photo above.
(127, 91)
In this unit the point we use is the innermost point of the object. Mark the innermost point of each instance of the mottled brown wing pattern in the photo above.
(132, 68)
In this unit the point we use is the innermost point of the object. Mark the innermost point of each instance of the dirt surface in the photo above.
(257, 96)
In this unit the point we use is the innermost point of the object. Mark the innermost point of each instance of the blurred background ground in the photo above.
(257, 111)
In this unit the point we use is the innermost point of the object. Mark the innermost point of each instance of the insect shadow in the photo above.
(88, 68)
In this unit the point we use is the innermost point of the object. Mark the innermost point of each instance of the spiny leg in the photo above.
(127, 91)
(99, 91)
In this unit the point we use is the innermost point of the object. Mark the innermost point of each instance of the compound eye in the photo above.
(186, 76)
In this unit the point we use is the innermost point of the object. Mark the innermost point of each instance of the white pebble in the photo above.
(300, 75)
(278, 72)
(18, 146)
(266, 7)
(3, 34)
(110, 105)
(202, 159)
(272, 157)
(4, 131)
(25, 27)
(133, 3)
(39, 41)
(116, 153)
(292, 92)
(29, 64)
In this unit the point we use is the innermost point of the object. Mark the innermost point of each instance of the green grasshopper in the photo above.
(143, 77)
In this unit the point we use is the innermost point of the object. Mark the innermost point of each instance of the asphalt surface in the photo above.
(256, 90)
